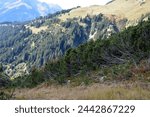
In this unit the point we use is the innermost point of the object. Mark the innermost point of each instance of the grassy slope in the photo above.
(130, 9)
(94, 91)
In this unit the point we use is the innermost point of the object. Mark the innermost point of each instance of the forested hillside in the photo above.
(26, 45)
(34, 43)
(118, 56)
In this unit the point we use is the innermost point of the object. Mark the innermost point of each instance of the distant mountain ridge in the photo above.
(23, 10)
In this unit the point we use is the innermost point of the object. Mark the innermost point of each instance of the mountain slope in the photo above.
(23, 10)
(122, 57)
(32, 44)
(35, 43)
(132, 10)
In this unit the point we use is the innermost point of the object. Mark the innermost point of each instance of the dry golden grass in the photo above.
(130, 9)
(95, 91)
(37, 30)
(124, 93)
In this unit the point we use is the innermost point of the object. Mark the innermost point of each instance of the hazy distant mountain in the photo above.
(22, 10)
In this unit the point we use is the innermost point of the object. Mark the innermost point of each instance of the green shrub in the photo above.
(7, 94)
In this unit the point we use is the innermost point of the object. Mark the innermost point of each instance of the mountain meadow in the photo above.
(78, 54)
